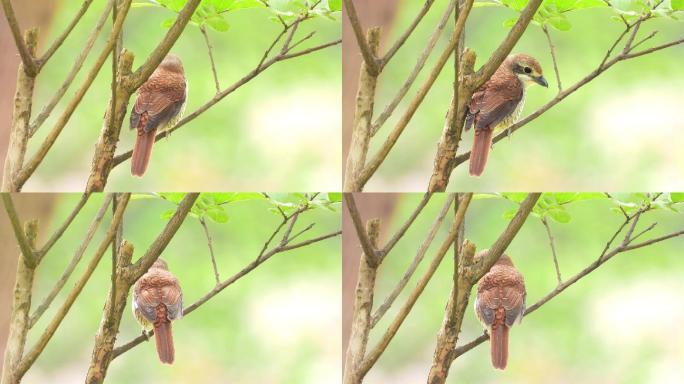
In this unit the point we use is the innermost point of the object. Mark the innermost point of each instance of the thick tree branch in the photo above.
(363, 116)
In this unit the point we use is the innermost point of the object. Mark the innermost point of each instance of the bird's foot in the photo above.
(508, 133)
(146, 335)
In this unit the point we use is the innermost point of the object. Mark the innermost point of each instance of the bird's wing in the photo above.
(160, 98)
(494, 102)
(146, 300)
(172, 297)
(514, 298)
(486, 305)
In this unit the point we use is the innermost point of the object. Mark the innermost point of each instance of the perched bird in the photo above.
(159, 106)
(498, 103)
(500, 302)
(157, 300)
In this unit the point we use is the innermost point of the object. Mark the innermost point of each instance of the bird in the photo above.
(159, 106)
(158, 300)
(498, 104)
(500, 303)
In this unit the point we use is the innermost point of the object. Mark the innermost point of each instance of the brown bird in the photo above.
(159, 106)
(498, 104)
(157, 300)
(500, 302)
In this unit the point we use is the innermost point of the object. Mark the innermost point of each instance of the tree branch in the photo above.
(60, 39)
(402, 39)
(366, 244)
(380, 312)
(60, 231)
(211, 249)
(377, 351)
(552, 244)
(211, 58)
(369, 56)
(552, 49)
(27, 59)
(38, 348)
(75, 69)
(28, 255)
(37, 159)
(402, 231)
(94, 225)
(422, 59)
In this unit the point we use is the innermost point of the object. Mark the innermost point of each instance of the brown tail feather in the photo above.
(480, 151)
(499, 341)
(142, 152)
(164, 340)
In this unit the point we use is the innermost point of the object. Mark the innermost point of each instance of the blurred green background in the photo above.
(278, 132)
(278, 324)
(620, 324)
(619, 132)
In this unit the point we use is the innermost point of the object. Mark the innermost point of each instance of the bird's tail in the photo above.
(499, 341)
(480, 151)
(142, 152)
(163, 336)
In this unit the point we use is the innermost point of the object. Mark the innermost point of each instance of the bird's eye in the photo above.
(527, 70)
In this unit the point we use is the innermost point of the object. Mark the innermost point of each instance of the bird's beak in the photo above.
(541, 81)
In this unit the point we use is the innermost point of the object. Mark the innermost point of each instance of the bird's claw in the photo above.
(146, 335)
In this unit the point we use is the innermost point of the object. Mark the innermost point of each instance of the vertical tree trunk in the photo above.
(19, 130)
(19, 315)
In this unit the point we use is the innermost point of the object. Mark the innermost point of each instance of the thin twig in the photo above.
(552, 49)
(552, 243)
(60, 231)
(211, 249)
(400, 233)
(402, 39)
(60, 39)
(211, 58)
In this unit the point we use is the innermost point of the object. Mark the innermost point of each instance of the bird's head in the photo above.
(504, 259)
(527, 69)
(160, 264)
(172, 63)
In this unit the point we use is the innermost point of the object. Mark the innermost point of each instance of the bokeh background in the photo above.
(620, 132)
(278, 132)
(278, 324)
(620, 324)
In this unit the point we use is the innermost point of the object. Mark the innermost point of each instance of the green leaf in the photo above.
(335, 197)
(677, 197)
(677, 5)
(168, 22)
(217, 23)
(516, 197)
(479, 4)
(217, 214)
(509, 23)
(560, 22)
(508, 215)
(335, 5)
(559, 214)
